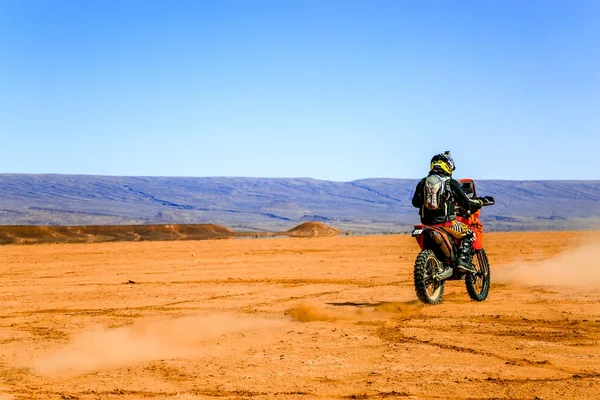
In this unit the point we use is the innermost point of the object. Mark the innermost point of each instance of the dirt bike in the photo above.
(436, 263)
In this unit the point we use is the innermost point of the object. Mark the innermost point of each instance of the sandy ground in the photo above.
(296, 318)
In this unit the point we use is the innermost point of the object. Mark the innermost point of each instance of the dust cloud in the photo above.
(146, 340)
(376, 311)
(578, 268)
(309, 313)
(401, 309)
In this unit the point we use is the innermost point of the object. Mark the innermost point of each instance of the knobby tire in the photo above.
(423, 278)
(478, 284)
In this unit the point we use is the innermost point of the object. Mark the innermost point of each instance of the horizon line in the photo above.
(280, 177)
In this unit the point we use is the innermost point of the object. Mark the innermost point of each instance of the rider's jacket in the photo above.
(445, 213)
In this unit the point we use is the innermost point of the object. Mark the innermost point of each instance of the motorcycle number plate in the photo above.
(417, 232)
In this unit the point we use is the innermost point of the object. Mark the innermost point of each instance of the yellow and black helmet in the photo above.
(442, 162)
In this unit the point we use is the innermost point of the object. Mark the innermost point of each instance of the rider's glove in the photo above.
(476, 204)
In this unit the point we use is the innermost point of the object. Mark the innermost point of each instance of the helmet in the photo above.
(443, 163)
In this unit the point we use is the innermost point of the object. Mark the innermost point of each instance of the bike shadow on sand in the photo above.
(358, 304)
(400, 305)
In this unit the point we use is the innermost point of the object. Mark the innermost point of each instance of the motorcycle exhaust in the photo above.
(445, 274)
(437, 238)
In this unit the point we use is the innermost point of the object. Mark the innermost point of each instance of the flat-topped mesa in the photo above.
(111, 233)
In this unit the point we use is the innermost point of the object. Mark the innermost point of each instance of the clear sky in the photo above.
(327, 89)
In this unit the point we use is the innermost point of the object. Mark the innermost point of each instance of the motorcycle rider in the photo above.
(444, 216)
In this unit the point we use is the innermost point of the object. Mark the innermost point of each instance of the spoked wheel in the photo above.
(478, 284)
(428, 289)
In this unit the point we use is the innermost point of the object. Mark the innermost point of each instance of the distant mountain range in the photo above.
(271, 204)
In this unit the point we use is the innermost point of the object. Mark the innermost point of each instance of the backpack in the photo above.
(435, 191)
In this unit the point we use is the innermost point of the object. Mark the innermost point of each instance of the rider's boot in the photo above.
(463, 256)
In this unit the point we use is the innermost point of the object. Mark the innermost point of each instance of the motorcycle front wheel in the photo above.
(478, 284)
(429, 290)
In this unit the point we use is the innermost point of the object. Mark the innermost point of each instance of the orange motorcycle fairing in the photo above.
(472, 221)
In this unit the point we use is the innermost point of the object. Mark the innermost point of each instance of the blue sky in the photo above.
(327, 89)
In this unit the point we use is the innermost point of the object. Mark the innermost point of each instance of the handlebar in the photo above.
(487, 200)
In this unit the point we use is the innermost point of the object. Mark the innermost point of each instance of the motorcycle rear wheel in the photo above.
(478, 284)
(428, 290)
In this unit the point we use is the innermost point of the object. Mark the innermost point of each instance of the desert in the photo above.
(262, 199)
(296, 317)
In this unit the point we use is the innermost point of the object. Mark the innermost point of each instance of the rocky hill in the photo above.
(278, 204)
(35, 234)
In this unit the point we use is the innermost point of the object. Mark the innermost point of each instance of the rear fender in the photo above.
(417, 233)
